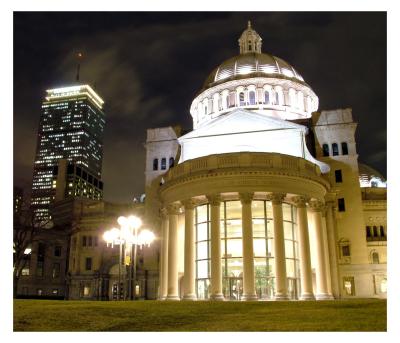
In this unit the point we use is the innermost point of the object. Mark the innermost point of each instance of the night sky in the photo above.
(148, 67)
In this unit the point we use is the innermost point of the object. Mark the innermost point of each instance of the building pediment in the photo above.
(241, 121)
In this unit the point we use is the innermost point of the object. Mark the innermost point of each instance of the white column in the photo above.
(189, 274)
(332, 239)
(173, 211)
(326, 252)
(322, 285)
(216, 267)
(249, 291)
(279, 247)
(164, 255)
(304, 249)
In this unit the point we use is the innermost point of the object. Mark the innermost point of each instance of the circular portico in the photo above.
(246, 227)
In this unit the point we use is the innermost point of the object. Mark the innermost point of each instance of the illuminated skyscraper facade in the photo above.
(71, 127)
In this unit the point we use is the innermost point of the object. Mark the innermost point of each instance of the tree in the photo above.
(26, 228)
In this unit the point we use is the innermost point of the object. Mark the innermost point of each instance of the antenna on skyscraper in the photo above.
(78, 66)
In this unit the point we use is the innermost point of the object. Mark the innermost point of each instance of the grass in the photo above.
(340, 315)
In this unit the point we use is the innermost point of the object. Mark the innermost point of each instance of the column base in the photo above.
(190, 297)
(281, 297)
(162, 298)
(324, 296)
(249, 297)
(173, 298)
(307, 297)
(217, 297)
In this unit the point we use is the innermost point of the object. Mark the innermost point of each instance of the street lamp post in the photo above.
(130, 236)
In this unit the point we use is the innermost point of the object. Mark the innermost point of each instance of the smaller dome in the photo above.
(369, 177)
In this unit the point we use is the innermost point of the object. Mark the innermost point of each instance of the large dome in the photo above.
(251, 65)
(254, 81)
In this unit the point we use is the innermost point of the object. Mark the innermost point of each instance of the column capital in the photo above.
(316, 205)
(276, 198)
(300, 200)
(189, 204)
(246, 198)
(163, 212)
(174, 208)
(214, 199)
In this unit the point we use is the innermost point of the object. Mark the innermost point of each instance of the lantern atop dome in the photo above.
(250, 41)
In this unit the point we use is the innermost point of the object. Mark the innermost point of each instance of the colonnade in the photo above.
(169, 249)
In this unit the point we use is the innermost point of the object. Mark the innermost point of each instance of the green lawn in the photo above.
(343, 315)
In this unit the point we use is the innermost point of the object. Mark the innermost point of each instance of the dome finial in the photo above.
(250, 40)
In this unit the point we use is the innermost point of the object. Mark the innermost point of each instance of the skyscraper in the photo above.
(71, 128)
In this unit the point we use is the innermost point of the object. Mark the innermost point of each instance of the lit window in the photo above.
(266, 97)
(163, 163)
(384, 285)
(86, 291)
(252, 98)
(348, 283)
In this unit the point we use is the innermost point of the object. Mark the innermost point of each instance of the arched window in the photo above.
(276, 98)
(171, 162)
(345, 150)
(375, 258)
(325, 149)
(241, 99)
(163, 163)
(375, 231)
(266, 97)
(382, 231)
(155, 164)
(335, 149)
(252, 97)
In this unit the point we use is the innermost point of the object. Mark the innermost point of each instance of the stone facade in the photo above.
(265, 201)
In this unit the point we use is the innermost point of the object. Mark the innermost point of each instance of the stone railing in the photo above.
(273, 162)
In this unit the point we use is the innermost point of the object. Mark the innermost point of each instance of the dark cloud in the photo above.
(149, 66)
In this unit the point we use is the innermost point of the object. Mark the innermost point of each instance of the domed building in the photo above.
(263, 200)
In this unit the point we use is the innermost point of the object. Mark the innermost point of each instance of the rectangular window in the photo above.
(90, 241)
(57, 251)
(88, 263)
(345, 250)
(25, 270)
(348, 285)
(338, 176)
(86, 291)
(341, 206)
(96, 241)
(368, 231)
(56, 270)
(84, 241)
